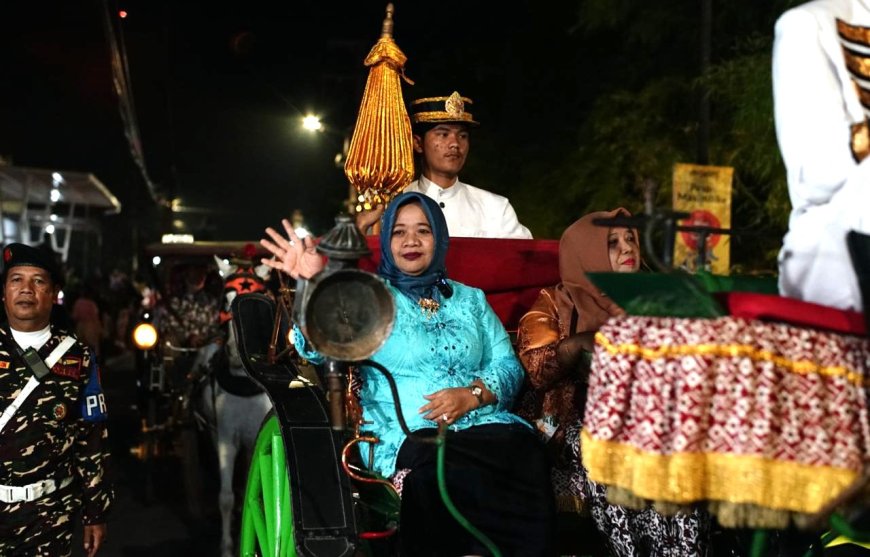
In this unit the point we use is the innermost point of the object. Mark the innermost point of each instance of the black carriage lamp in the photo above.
(343, 244)
(345, 313)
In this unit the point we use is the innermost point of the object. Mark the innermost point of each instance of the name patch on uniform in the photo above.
(68, 366)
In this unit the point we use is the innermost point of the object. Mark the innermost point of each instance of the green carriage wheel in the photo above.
(267, 517)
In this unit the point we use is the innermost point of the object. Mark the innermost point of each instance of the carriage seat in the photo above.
(768, 307)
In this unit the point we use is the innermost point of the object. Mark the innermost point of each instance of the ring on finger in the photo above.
(444, 417)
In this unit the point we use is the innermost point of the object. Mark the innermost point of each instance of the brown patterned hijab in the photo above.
(583, 249)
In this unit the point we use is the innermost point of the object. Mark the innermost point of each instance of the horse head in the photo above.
(241, 276)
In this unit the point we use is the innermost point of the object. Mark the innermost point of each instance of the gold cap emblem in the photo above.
(454, 105)
(435, 110)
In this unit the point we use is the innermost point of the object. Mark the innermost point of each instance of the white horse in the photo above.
(231, 403)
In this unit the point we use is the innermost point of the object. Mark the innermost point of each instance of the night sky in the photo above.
(219, 88)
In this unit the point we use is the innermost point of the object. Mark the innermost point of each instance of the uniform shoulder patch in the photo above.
(68, 366)
(94, 402)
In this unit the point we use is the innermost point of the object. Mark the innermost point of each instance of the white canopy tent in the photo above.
(36, 201)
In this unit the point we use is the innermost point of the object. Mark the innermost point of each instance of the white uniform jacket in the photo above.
(815, 106)
(473, 212)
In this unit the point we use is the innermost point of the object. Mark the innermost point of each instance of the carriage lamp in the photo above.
(144, 336)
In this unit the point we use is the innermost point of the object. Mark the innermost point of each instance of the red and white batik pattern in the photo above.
(727, 409)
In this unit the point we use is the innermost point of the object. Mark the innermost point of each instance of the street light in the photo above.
(312, 123)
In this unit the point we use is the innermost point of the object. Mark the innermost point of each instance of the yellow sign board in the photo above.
(705, 193)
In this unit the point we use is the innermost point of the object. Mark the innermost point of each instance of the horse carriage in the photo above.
(186, 378)
(712, 391)
(748, 404)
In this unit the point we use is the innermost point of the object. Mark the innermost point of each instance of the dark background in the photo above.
(218, 89)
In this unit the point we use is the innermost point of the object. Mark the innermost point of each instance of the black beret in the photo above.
(17, 255)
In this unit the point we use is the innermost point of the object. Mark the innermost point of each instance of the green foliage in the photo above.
(645, 119)
(741, 91)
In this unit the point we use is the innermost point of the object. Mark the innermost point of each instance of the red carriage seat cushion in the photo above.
(767, 307)
(510, 272)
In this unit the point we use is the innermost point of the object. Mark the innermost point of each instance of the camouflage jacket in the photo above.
(60, 430)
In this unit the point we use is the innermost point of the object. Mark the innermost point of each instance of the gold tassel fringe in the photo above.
(380, 160)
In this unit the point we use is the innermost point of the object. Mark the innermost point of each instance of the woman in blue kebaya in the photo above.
(453, 363)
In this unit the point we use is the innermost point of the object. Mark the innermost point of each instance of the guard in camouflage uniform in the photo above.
(53, 443)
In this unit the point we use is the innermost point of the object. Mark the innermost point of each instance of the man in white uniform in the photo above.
(441, 136)
(821, 73)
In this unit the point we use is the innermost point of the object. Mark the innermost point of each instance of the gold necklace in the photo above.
(428, 306)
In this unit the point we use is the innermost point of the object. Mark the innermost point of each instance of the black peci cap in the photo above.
(18, 255)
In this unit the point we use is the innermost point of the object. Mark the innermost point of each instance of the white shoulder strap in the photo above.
(52, 359)
(59, 350)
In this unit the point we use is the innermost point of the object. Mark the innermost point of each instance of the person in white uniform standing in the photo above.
(441, 128)
(821, 88)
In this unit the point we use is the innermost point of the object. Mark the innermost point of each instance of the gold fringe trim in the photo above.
(860, 133)
(854, 33)
(684, 478)
(733, 350)
(625, 498)
(857, 63)
(729, 515)
(380, 159)
(442, 117)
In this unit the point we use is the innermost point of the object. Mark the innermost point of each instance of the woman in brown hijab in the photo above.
(555, 341)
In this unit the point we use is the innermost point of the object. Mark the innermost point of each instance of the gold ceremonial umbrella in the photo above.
(380, 160)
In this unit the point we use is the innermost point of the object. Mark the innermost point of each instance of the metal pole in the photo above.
(706, 28)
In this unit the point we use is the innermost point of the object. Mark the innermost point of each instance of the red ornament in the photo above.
(249, 251)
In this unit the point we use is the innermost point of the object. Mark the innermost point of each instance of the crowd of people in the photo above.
(513, 412)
